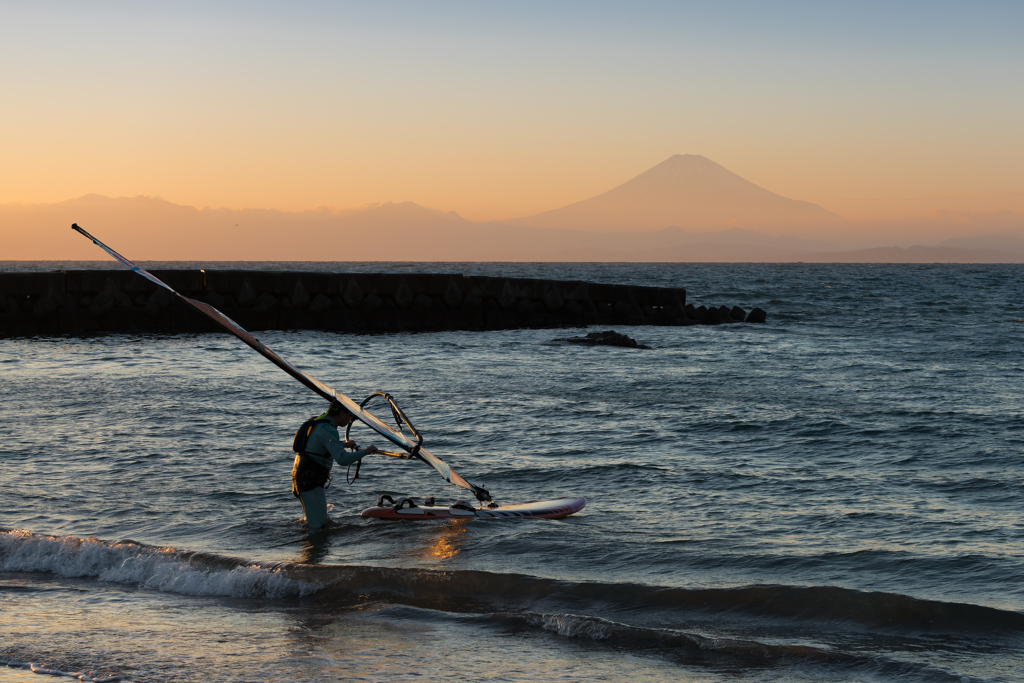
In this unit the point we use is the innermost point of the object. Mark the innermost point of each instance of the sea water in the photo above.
(834, 495)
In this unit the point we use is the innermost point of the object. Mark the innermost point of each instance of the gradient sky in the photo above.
(497, 110)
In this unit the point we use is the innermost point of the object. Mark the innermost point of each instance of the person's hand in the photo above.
(350, 444)
(372, 449)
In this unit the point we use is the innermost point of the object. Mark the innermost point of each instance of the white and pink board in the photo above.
(546, 509)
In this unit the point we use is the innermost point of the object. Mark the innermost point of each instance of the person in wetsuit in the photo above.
(312, 468)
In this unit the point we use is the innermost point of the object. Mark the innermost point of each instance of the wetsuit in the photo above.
(325, 447)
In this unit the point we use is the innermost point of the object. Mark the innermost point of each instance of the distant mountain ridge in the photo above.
(150, 228)
(688, 191)
(1000, 243)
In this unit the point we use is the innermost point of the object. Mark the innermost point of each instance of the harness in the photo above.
(307, 473)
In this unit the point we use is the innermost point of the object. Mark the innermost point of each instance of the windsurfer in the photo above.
(312, 470)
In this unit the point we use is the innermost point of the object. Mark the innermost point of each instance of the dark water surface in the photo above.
(833, 496)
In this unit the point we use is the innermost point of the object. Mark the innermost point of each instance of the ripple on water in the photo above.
(865, 445)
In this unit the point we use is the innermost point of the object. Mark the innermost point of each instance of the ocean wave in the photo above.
(193, 573)
(885, 611)
(693, 648)
(594, 628)
(135, 564)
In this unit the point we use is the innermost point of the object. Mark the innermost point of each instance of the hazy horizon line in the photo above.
(343, 210)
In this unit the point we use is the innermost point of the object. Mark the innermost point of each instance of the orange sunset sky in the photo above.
(500, 110)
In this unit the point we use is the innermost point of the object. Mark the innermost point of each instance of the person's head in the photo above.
(340, 413)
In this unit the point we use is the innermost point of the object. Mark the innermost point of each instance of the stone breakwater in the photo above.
(77, 302)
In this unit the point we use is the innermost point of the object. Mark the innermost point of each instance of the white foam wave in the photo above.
(162, 569)
(86, 677)
(570, 626)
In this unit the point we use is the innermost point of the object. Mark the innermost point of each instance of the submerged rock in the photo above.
(757, 316)
(606, 338)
